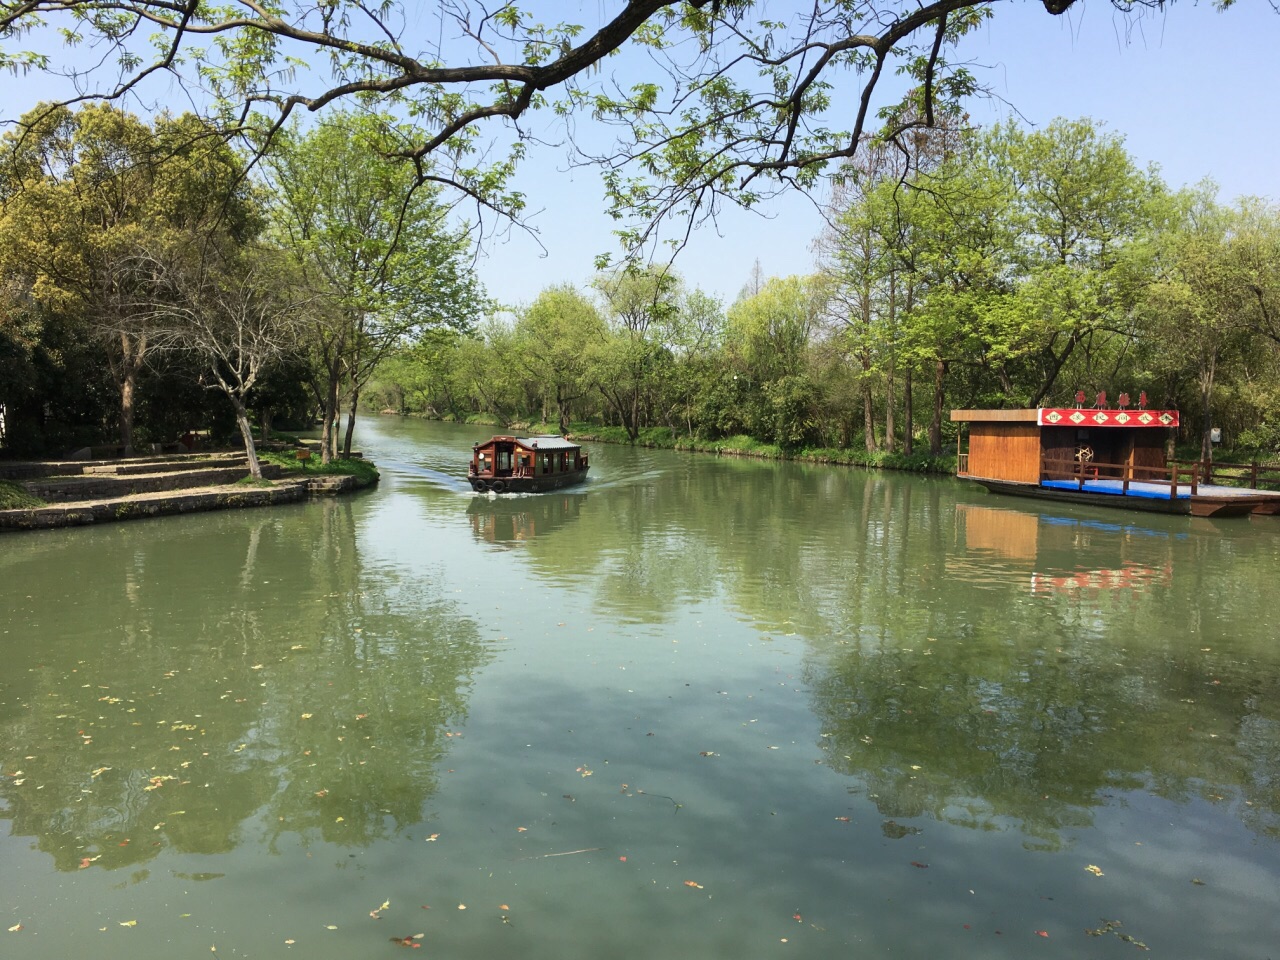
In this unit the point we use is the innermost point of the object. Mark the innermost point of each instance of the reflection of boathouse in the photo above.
(998, 545)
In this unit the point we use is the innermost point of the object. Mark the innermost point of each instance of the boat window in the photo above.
(504, 459)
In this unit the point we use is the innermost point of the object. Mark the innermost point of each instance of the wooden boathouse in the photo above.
(1101, 456)
(1025, 446)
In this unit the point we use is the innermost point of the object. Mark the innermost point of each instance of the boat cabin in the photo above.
(526, 464)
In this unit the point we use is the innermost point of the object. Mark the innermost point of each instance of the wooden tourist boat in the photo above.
(1100, 456)
(526, 464)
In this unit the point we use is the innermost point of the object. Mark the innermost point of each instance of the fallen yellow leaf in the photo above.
(129, 923)
(15, 928)
(1096, 871)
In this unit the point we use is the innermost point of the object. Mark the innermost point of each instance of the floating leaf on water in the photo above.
(1096, 871)
(1042, 933)
(917, 863)
(15, 928)
(693, 883)
(129, 923)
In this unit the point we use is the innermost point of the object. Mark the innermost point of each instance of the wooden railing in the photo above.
(1249, 475)
(962, 464)
(1082, 471)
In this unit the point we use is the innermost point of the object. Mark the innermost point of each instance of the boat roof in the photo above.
(547, 443)
(1072, 417)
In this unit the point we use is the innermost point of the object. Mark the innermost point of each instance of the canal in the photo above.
(699, 707)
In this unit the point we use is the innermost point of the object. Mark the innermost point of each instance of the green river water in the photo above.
(699, 707)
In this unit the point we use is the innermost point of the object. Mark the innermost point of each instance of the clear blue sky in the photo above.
(1192, 90)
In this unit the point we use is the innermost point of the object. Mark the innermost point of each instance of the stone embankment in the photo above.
(104, 491)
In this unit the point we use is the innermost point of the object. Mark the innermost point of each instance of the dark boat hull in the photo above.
(1196, 506)
(527, 484)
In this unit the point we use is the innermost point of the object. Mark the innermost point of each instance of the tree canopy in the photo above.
(721, 100)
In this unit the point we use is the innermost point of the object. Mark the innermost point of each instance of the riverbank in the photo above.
(52, 494)
(663, 438)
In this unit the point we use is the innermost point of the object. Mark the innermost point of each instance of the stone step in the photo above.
(128, 468)
(105, 487)
(154, 505)
(329, 485)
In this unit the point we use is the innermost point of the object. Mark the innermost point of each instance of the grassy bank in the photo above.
(14, 497)
(365, 472)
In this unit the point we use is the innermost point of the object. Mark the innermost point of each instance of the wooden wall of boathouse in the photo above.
(1005, 451)
(1148, 451)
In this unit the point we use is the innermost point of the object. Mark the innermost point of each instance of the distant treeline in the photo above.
(961, 268)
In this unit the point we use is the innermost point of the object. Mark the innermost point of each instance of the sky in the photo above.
(1193, 90)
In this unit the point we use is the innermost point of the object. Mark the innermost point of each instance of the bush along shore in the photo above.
(50, 494)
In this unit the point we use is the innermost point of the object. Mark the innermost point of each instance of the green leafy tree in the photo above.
(1198, 308)
(379, 244)
(733, 104)
(558, 334)
(768, 338)
(630, 364)
(85, 192)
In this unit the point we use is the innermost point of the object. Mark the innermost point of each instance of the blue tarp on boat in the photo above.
(1150, 491)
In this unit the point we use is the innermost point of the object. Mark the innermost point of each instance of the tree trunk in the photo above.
(264, 422)
(908, 416)
(891, 367)
(351, 423)
(939, 397)
(888, 409)
(1206, 415)
(868, 407)
(126, 409)
(330, 418)
(246, 434)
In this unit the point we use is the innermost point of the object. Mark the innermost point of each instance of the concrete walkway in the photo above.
(85, 492)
